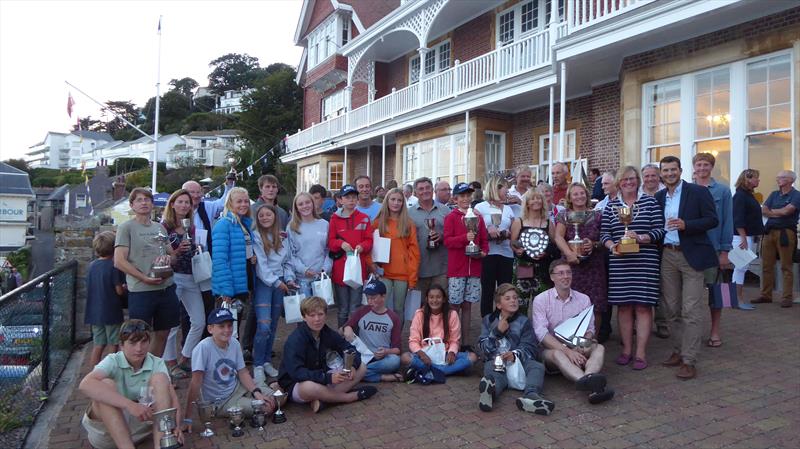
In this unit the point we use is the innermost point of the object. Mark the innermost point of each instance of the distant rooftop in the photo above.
(14, 181)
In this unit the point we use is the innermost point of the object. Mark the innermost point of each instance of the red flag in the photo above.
(70, 104)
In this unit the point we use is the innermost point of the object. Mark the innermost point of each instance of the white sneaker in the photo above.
(270, 370)
(258, 375)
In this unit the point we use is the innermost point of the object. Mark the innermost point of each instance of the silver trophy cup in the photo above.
(279, 416)
(206, 411)
(237, 418)
(166, 424)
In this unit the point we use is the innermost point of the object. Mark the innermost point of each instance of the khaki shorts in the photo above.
(241, 398)
(98, 434)
(105, 335)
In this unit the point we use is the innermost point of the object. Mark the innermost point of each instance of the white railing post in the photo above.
(393, 103)
(421, 94)
(348, 105)
(456, 77)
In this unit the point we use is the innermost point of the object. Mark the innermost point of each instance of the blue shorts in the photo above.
(159, 308)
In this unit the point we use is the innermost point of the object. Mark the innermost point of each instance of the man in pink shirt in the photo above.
(553, 307)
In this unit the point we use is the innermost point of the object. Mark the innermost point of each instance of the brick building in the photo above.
(455, 89)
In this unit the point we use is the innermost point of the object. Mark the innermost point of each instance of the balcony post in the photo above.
(422, 53)
(562, 119)
(348, 103)
(392, 103)
(456, 77)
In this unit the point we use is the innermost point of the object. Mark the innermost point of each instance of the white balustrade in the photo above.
(584, 13)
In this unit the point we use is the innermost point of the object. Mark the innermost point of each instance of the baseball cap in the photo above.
(219, 315)
(462, 187)
(375, 288)
(347, 189)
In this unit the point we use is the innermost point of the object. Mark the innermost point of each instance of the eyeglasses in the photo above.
(562, 273)
(133, 328)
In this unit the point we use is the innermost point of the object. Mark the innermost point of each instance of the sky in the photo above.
(109, 50)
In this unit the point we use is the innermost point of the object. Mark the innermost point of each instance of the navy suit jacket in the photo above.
(697, 210)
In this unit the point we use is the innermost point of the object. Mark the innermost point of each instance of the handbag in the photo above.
(323, 288)
(366, 354)
(413, 302)
(515, 374)
(291, 307)
(722, 294)
(381, 248)
(352, 271)
(435, 350)
(201, 266)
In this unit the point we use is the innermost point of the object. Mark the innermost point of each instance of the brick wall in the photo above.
(322, 9)
(312, 107)
(474, 38)
(371, 11)
(357, 164)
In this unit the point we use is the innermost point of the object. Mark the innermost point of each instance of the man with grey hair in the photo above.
(782, 209)
(558, 177)
(206, 211)
(651, 180)
(609, 188)
(433, 258)
(442, 193)
(522, 183)
(408, 192)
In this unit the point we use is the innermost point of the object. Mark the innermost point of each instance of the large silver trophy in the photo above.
(206, 410)
(471, 222)
(576, 218)
(232, 161)
(161, 267)
(166, 424)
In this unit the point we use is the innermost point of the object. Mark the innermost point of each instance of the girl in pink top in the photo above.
(429, 322)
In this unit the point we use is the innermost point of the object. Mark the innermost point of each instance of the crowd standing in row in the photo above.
(260, 253)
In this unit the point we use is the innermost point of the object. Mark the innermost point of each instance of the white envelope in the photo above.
(741, 258)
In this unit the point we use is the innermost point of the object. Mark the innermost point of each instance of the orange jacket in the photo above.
(404, 254)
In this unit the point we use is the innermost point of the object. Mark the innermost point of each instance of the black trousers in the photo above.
(495, 270)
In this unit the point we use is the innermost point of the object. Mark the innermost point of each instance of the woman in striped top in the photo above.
(633, 278)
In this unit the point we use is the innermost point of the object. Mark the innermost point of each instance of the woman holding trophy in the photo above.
(632, 225)
(578, 237)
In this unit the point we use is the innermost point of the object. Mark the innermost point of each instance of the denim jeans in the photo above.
(305, 286)
(269, 306)
(534, 377)
(348, 299)
(461, 363)
(396, 296)
(387, 365)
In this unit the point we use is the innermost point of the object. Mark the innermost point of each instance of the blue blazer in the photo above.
(697, 210)
(229, 259)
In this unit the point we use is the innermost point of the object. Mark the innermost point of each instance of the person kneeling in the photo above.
(553, 307)
(435, 320)
(379, 328)
(508, 333)
(125, 389)
(228, 383)
(304, 372)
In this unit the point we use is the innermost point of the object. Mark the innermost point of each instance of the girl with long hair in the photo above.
(498, 265)
(400, 273)
(307, 237)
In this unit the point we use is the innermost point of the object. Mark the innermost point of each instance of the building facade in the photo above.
(454, 90)
(15, 194)
(207, 148)
(65, 150)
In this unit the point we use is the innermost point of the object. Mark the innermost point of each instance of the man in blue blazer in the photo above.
(688, 213)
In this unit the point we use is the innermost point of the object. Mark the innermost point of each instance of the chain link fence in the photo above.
(37, 335)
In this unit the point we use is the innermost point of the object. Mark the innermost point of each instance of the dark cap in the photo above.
(462, 187)
(375, 288)
(219, 315)
(348, 189)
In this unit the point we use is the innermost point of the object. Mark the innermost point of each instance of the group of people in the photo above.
(454, 249)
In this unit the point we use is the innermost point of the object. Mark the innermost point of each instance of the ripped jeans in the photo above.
(268, 303)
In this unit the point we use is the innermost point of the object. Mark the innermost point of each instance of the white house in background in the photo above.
(231, 101)
(65, 150)
(144, 146)
(208, 148)
(15, 193)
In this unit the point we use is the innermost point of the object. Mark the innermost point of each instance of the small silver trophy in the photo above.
(237, 418)
(430, 223)
(186, 224)
(499, 365)
(349, 359)
(206, 411)
(278, 417)
(471, 222)
(166, 424)
(161, 267)
(259, 417)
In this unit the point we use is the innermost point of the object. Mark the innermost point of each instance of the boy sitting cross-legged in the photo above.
(219, 373)
(304, 372)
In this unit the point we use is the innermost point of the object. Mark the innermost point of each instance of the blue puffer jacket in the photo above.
(229, 273)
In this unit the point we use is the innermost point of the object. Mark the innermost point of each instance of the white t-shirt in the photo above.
(507, 217)
(221, 367)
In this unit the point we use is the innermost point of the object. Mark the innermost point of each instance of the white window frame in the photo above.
(501, 156)
(570, 151)
(80, 200)
(327, 39)
(432, 172)
(439, 66)
(737, 132)
(309, 175)
(331, 165)
(333, 105)
(542, 19)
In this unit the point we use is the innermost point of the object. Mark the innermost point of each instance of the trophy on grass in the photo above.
(576, 218)
(471, 222)
(161, 267)
(237, 418)
(626, 215)
(278, 417)
(430, 223)
(206, 411)
(166, 424)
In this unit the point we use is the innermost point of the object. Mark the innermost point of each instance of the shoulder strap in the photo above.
(206, 223)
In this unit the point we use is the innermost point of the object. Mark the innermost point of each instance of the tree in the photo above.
(232, 72)
(208, 121)
(186, 86)
(204, 104)
(174, 109)
(20, 164)
(89, 124)
(118, 129)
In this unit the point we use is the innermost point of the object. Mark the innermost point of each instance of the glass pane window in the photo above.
(309, 175)
(656, 154)
(506, 28)
(769, 94)
(769, 154)
(712, 104)
(345, 31)
(529, 16)
(430, 62)
(443, 159)
(414, 75)
(664, 110)
(444, 56)
(410, 163)
(333, 105)
(335, 175)
(721, 150)
(494, 152)
(459, 159)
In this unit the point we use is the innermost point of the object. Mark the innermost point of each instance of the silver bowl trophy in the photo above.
(576, 218)
(237, 418)
(471, 222)
(278, 417)
(166, 424)
(259, 417)
(161, 267)
(626, 215)
(206, 411)
(186, 224)
(430, 223)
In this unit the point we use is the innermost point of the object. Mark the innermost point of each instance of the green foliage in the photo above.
(21, 164)
(118, 129)
(21, 259)
(204, 104)
(128, 164)
(89, 124)
(208, 121)
(175, 107)
(48, 177)
(185, 86)
(232, 71)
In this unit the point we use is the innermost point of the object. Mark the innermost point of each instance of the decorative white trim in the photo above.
(420, 22)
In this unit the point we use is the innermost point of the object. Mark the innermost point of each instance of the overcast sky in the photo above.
(109, 49)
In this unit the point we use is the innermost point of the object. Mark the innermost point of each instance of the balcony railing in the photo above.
(585, 13)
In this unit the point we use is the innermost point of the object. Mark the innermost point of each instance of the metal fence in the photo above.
(37, 335)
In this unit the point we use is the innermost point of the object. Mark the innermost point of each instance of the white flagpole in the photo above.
(158, 103)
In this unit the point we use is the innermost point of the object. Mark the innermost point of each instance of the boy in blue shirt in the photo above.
(104, 289)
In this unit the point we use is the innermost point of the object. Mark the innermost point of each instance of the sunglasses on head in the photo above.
(133, 328)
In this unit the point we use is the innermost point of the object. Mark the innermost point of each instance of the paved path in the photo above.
(746, 395)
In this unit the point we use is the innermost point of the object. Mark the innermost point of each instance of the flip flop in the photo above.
(746, 306)
(714, 343)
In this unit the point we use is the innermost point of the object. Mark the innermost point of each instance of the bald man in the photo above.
(205, 212)
(558, 176)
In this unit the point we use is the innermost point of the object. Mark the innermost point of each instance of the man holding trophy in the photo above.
(428, 216)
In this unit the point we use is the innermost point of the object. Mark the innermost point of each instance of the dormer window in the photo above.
(327, 39)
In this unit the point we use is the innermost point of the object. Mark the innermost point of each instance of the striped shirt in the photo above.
(549, 311)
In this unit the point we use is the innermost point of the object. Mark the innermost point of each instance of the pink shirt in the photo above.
(549, 311)
(415, 342)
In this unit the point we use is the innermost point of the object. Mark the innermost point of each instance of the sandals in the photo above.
(714, 343)
(177, 372)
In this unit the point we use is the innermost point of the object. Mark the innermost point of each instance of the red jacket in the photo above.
(455, 239)
(355, 230)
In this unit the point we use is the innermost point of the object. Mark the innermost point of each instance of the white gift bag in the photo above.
(291, 307)
(413, 302)
(435, 350)
(352, 271)
(323, 288)
(201, 266)
(515, 373)
(381, 248)
(366, 354)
